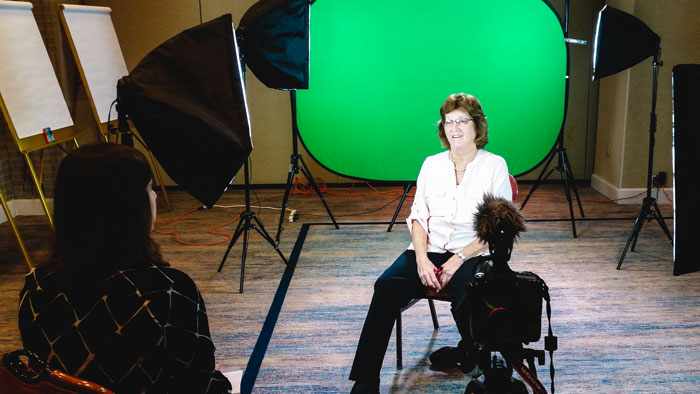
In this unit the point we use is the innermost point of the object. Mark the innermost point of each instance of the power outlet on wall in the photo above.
(659, 179)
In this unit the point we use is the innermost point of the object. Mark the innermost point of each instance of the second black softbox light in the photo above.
(621, 41)
(274, 38)
(187, 99)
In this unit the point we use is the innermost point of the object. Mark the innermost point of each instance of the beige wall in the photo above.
(622, 148)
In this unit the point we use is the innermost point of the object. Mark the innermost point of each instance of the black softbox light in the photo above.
(187, 100)
(274, 38)
(621, 41)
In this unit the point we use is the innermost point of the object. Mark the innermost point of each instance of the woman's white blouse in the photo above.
(446, 210)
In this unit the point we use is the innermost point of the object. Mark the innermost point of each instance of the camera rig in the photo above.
(504, 308)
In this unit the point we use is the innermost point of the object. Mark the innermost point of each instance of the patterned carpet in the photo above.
(636, 330)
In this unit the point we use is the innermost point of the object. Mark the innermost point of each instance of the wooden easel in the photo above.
(93, 42)
(30, 97)
(8, 214)
(26, 146)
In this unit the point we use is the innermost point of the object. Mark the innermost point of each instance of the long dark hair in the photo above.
(102, 213)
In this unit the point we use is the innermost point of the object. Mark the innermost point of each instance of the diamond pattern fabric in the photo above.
(143, 330)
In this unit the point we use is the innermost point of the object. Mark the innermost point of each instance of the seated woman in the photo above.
(445, 247)
(106, 307)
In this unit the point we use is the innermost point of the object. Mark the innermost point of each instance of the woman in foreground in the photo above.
(106, 307)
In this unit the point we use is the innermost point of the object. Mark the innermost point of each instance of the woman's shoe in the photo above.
(446, 357)
(452, 357)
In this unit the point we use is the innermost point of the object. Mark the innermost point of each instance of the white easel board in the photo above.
(97, 53)
(28, 86)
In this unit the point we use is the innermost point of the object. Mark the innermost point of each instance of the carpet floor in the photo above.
(295, 327)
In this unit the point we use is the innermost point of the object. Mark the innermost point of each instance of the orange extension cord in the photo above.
(300, 186)
(210, 231)
(303, 186)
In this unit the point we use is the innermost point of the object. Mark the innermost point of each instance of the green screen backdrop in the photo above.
(380, 70)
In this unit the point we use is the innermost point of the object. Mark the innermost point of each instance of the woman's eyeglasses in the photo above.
(458, 122)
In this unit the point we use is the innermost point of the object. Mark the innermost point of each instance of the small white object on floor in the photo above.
(235, 378)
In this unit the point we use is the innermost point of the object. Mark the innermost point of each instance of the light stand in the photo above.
(123, 126)
(396, 213)
(294, 170)
(564, 169)
(621, 41)
(649, 202)
(563, 165)
(274, 36)
(245, 224)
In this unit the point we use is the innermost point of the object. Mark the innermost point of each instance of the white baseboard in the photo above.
(614, 193)
(24, 207)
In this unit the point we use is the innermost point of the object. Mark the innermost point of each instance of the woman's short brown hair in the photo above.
(470, 105)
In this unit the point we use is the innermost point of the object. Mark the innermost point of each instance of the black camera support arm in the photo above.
(514, 358)
(550, 341)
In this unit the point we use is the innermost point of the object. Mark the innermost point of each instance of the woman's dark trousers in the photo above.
(394, 289)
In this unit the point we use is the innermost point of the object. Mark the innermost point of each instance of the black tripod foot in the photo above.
(294, 169)
(504, 385)
(650, 211)
(564, 169)
(248, 221)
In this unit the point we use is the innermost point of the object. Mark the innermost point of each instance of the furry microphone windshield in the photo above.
(498, 222)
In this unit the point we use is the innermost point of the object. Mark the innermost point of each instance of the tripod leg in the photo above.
(293, 170)
(308, 176)
(565, 177)
(662, 223)
(573, 183)
(156, 171)
(636, 236)
(244, 226)
(635, 232)
(261, 230)
(539, 180)
(396, 213)
(645, 215)
(245, 250)
(236, 234)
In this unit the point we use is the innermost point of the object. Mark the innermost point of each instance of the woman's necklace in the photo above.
(455, 165)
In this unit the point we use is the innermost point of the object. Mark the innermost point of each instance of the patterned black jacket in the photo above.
(143, 330)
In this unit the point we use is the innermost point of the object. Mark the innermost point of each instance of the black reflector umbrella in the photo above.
(187, 100)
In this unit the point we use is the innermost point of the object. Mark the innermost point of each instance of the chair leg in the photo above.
(436, 325)
(399, 361)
